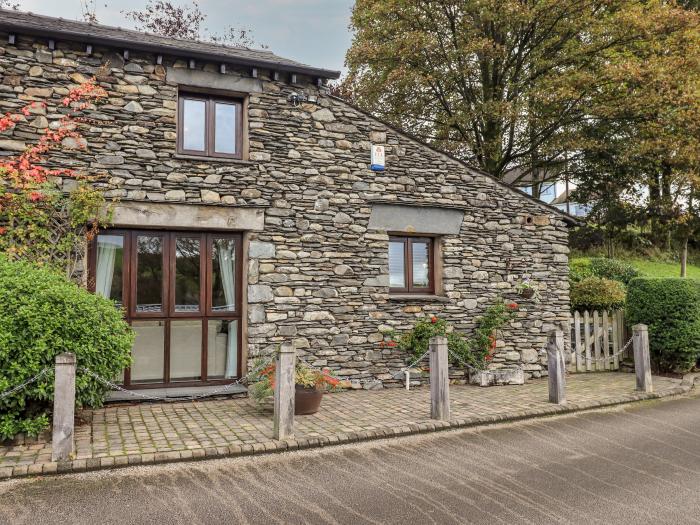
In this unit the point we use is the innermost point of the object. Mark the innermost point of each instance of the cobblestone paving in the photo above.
(147, 433)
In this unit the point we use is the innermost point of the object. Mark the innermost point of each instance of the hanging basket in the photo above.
(527, 293)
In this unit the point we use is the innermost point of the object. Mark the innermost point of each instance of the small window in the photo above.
(210, 126)
(411, 265)
(548, 192)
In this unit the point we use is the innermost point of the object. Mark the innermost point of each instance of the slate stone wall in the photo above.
(316, 274)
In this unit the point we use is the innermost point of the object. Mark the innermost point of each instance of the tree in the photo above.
(638, 145)
(87, 8)
(39, 221)
(497, 83)
(163, 17)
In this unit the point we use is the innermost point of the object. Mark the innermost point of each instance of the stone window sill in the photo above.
(417, 298)
(224, 160)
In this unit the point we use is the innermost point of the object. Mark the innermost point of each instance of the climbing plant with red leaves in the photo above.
(40, 219)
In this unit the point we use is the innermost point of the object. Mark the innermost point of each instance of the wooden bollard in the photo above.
(284, 392)
(62, 440)
(439, 379)
(556, 365)
(642, 359)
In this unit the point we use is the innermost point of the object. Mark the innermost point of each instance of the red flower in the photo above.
(391, 343)
(513, 306)
(35, 196)
(2, 230)
(492, 342)
(488, 357)
(433, 319)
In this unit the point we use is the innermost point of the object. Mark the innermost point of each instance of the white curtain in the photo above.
(107, 246)
(228, 281)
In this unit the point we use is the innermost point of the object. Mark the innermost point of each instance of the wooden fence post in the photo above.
(284, 392)
(556, 364)
(62, 442)
(642, 360)
(439, 379)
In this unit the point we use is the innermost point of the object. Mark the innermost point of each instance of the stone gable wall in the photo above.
(316, 274)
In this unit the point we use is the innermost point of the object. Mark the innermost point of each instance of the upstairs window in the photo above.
(411, 266)
(209, 126)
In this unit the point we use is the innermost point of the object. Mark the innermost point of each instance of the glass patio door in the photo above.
(181, 294)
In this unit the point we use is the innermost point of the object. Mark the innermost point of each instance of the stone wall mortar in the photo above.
(316, 274)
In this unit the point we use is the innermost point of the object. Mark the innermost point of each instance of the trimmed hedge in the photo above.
(43, 314)
(580, 270)
(671, 309)
(594, 293)
(613, 269)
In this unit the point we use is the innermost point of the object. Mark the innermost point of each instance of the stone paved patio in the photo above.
(149, 433)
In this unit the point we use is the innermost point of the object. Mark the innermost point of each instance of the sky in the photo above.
(314, 32)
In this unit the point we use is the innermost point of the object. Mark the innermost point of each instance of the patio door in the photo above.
(180, 292)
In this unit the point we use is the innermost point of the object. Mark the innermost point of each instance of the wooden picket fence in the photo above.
(596, 338)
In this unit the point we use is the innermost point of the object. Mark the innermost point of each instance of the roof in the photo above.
(59, 28)
(567, 218)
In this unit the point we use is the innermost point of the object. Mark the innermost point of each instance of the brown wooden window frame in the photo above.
(408, 242)
(168, 313)
(210, 102)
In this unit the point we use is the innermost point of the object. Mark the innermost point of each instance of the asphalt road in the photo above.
(639, 465)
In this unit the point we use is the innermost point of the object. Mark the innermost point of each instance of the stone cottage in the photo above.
(247, 213)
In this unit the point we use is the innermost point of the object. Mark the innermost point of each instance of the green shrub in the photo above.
(595, 293)
(671, 309)
(579, 269)
(476, 350)
(613, 269)
(43, 314)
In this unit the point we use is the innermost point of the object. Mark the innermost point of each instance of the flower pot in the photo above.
(307, 400)
(527, 293)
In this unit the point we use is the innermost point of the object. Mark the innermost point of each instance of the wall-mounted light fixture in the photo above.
(298, 98)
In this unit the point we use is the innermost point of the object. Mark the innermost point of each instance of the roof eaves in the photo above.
(170, 49)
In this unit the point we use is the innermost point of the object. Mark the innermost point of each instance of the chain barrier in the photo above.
(462, 361)
(8, 393)
(607, 357)
(242, 381)
(133, 393)
(364, 381)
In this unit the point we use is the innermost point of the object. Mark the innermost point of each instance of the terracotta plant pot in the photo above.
(527, 293)
(307, 400)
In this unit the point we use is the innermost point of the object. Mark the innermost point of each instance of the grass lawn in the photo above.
(663, 269)
(651, 268)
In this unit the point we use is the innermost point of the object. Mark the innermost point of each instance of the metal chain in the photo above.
(341, 378)
(607, 357)
(414, 363)
(461, 361)
(8, 393)
(365, 380)
(137, 394)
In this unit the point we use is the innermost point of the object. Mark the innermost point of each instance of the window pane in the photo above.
(148, 352)
(222, 349)
(185, 350)
(110, 267)
(397, 269)
(225, 134)
(186, 274)
(149, 274)
(420, 262)
(193, 124)
(223, 275)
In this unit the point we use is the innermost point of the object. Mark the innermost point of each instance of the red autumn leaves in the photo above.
(26, 170)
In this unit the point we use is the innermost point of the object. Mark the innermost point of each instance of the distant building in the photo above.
(555, 191)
